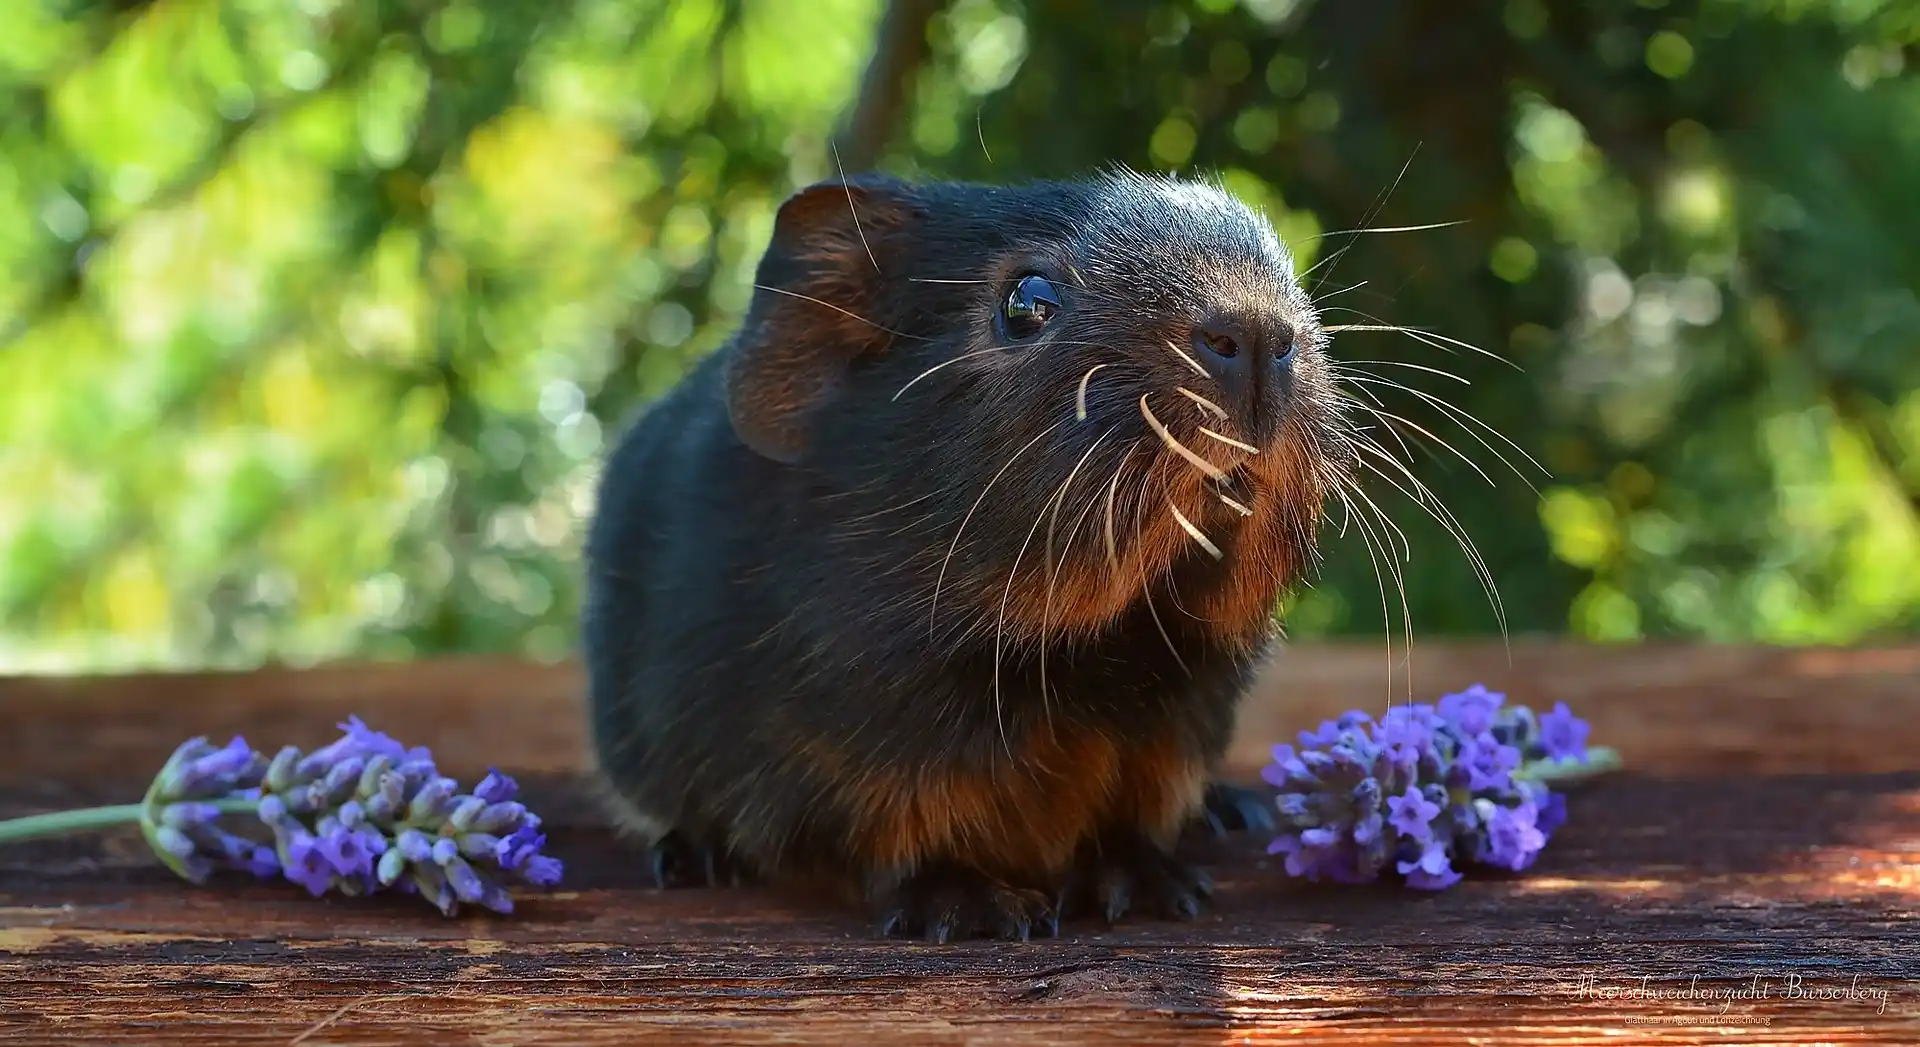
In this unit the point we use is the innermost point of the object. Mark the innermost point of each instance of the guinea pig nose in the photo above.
(1223, 339)
(1230, 349)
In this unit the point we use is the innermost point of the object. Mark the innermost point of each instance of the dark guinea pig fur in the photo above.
(941, 582)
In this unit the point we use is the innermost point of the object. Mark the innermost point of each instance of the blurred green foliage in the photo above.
(315, 317)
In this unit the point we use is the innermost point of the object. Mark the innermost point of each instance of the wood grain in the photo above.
(1679, 709)
(1755, 880)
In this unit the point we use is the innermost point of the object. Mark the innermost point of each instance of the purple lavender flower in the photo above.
(1409, 725)
(350, 853)
(305, 861)
(1412, 814)
(1471, 710)
(361, 742)
(1553, 814)
(495, 787)
(256, 859)
(1488, 763)
(542, 870)
(379, 815)
(1431, 869)
(1425, 790)
(518, 849)
(178, 815)
(1562, 734)
(361, 814)
(1513, 838)
(1312, 853)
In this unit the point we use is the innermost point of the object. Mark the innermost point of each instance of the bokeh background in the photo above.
(317, 315)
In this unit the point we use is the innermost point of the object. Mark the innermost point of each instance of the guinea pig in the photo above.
(942, 579)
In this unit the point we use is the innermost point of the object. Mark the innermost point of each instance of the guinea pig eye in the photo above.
(1028, 305)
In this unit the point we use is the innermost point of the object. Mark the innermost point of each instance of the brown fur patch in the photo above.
(1271, 547)
(1091, 588)
(1076, 588)
(1017, 819)
(1078, 601)
(1162, 787)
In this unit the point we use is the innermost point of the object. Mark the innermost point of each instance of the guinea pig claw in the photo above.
(1131, 873)
(673, 859)
(659, 862)
(949, 904)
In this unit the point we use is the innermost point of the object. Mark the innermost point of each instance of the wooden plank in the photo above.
(1679, 905)
(1674, 709)
(1723, 880)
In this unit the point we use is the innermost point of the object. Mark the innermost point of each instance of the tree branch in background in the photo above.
(900, 46)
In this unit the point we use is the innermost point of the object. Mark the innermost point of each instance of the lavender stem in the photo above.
(1570, 772)
(55, 823)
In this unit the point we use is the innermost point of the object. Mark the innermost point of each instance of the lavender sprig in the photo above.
(1427, 789)
(361, 815)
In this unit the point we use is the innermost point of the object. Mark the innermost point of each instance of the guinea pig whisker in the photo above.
(1049, 510)
(1482, 573)
(1146, 589)
(1464, 417)
(1416, 427)
(851, 209)
(1231, 504)
(1345, 365)
(1066, 551)
(1390, 229)
(1372, 212)
(1080, 397)
(934, 604)
(843, 312)
(1430, 503)
(1212, 471)
(1350, 287)
(1205, 404)
(1346, 518)
(945, 363)
(1421, 335)
(933, 280)
(1406, 442)
(1113, 485)
(1184, 355)
(1332, 257)
(1376, 555)
(1399, 577)
(1385, 425)
(1229, 441)
(1402, 549)
(1194, 532)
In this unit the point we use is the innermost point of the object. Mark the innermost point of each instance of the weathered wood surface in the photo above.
(1755, 879)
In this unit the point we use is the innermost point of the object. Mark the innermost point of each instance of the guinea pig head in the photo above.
(1035, 407)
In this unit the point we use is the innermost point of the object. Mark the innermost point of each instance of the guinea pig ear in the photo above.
(812, 310)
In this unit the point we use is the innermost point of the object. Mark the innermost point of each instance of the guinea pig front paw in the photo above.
(679, 861)
(1132, 874)
(953, 902)
(1236, 809)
